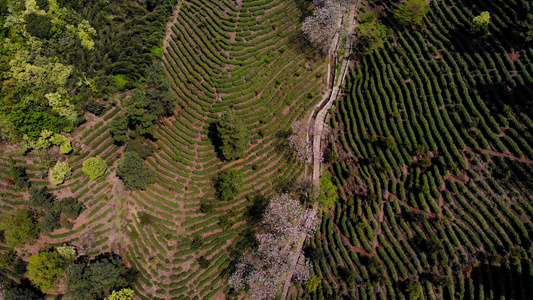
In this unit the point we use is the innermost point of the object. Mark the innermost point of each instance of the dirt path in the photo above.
(318, 136)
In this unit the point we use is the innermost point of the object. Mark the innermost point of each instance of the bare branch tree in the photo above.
(264, 268)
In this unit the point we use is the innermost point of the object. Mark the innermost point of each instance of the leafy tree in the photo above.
(141, 146)
(139, 117)
(97, 278)
(203, 262)
(59, 173)
(370, 36)
(312, 283)
(134, 172)
(234, 136)
(39, 25)
(228, 184)
(46, 269)
(118, 129)
(7, 258)
(480, 23)
(20, 177)
(49, 222)
(413, 289)
(389, 142)
(123, 294)
(328, 192)
(41, 198)
(68, 207)
(144, 218)
(19, 228)
(67, 253)
(411, 12)
(94, 167)
(23, 291)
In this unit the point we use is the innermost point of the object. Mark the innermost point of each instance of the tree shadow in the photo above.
(507, 282)
(213, 136)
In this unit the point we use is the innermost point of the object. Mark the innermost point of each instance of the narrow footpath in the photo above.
(317, 130)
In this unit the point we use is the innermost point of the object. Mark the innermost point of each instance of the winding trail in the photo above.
(317, 130)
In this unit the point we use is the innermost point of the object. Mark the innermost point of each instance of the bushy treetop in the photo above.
(94, 167)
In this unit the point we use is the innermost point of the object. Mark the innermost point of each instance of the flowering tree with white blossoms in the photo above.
(321, 26)
(298, 141)
(264, 269)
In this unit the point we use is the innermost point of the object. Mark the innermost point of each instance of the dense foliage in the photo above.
(134, 172)
(233, 135)
(411, 12)
(60, 172)
(61, 60)
(97, 278)
(46, 269)
(94, 167)
(20, 227)
(228, 184)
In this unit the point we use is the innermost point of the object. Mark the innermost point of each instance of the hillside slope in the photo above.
(432, 147)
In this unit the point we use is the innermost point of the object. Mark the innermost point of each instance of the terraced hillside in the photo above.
(97, 228)
(432, 147)
(246, 57)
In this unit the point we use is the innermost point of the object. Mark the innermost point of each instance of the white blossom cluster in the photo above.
(298, 141)
(321, 26)
(265, 268)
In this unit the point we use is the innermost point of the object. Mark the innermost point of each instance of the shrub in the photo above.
(94, 167)
(59, 173)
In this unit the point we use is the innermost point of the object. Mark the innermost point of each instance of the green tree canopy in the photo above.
(328, 192)
(98, 277)
(228, 184)
(23, 291)
(41, 198)
(123, 294)
(46, 269)
(140, 119)
(118, 129)
(20, 177)
(19, 227)
(234, 136)
(481, 23)
(411, 12)
(94, 167)
(60, 172)
(370, 36)
(413, 289)
(134, 171)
